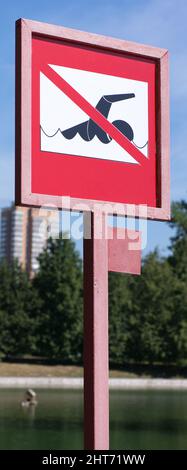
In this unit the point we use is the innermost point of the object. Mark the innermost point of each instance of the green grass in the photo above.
(39, 369)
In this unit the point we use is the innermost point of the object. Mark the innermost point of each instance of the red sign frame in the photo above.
(36, 194)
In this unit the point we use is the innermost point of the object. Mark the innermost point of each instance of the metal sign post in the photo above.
(101, 254)
(96, 399)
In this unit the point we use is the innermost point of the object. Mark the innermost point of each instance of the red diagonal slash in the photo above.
(92, 112)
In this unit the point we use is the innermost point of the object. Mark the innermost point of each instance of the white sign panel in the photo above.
(67, 129)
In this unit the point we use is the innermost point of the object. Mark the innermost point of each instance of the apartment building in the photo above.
(24, 232)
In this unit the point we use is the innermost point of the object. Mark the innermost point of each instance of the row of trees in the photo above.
(148, 313)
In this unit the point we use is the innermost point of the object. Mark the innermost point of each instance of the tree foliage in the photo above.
(18, 311)
(178, 258)
(120, 308)
(59, 286)
(148, 313)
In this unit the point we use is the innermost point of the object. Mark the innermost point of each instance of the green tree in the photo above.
(148, 315)
(178, 261)
(59, 286)
(157, 301)
(179, 220)
(120, 308)
(18, 311)
(178, 258)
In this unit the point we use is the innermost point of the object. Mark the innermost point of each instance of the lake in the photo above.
(138, 420)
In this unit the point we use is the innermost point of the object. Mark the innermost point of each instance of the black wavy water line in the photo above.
(59, 130)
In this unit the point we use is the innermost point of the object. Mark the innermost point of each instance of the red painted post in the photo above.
(96, 389)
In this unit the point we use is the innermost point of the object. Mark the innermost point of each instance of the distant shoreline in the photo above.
(77, 383)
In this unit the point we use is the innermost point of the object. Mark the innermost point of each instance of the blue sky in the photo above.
(156, 22)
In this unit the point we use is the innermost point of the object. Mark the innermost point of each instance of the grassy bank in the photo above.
(40, 370)
(18, 369)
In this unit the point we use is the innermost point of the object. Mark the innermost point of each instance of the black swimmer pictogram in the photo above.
(89, 129)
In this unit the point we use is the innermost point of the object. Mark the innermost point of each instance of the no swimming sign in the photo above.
(94, 119)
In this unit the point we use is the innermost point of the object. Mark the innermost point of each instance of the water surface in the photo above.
(138, 420)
